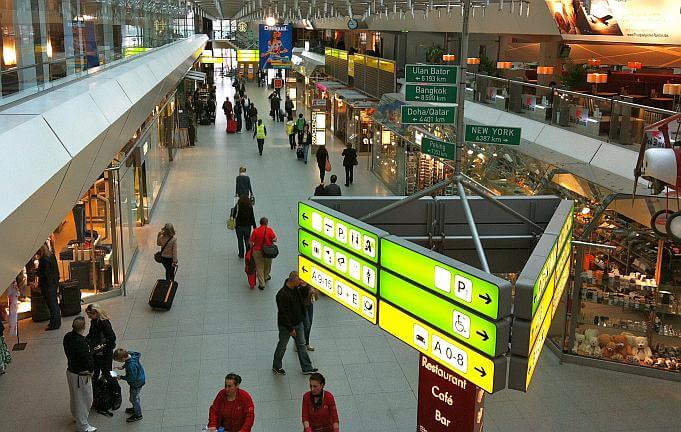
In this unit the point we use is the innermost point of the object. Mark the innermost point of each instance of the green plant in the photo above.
(487, 66)
(574, 76)
(434, 54)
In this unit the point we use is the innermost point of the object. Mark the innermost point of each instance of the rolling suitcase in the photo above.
(39, 310)
(70, 298)
(163, 294)
(300, 153)
(231, 126)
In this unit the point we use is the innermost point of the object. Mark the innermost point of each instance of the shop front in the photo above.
(323, 91)
(340, 100)
(359, 125)
(623, 311)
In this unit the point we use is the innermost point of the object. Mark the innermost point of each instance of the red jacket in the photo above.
(322, 418)
(235, 416)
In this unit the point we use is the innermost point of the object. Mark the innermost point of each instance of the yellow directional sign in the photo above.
(488, 374)
(344, 292)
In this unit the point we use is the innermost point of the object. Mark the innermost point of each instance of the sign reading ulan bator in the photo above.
(433, 74)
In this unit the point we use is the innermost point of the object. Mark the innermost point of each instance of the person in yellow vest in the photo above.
(291, 132)
(259, 134)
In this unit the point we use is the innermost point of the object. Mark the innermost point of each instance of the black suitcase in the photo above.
(79, 271)
(163, 294)
(300, 153)
(70, 298)
(39, 310)
(106, 396)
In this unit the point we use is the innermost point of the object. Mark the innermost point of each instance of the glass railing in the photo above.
(610, 119)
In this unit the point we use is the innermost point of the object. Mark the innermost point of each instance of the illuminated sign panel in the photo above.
(344, 292)
(463, 284)
(340, 229)
(487, 373)
(454, 321)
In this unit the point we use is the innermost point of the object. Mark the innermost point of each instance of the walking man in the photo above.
(259, 134)
(80, 366)
(290, 311)
(238, 108)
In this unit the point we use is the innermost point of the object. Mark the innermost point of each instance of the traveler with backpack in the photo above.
(300, 127)
(261, 238)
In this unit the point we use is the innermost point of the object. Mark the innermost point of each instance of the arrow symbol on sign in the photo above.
(305, 243)
(481, 371)
(305, 216)
(304, 269)
(486, 297)
(483, 334)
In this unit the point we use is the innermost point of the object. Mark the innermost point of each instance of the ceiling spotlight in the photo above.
(270, 21)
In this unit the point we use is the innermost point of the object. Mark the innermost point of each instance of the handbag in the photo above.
(98, 343)
(252, 200)
(269, 251)
(327, 167)
(231, 222)
(158, 256)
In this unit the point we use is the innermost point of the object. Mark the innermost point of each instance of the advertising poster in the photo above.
(630, 21)
(276, 46)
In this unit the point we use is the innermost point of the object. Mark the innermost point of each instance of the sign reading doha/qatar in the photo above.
(447, 402)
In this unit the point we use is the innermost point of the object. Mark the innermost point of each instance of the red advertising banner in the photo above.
(447, 402)
(278, 83)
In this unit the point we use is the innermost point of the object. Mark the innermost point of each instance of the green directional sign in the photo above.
(487, 294)
(431, 93)
(486, 336)
(493, 134)
(415, 114)
(340, 229)
(434, 74)
(337, 259)
(438, 148)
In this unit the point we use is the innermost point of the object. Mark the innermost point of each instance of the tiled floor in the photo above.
(217, 325)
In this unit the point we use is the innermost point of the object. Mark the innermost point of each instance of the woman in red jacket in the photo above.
(319, 407)
(232, 408)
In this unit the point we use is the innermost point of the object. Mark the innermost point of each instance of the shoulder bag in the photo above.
(231, 222)
(327, 167)
(158, 256)
(269, 251)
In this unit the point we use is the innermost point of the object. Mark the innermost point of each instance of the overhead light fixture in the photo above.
(545, 70)
(473, 60)
(504, 65)
(270, 21)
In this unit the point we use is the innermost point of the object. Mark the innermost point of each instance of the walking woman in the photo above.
(232, 409)
(48, 280)
(102, 341)
(245, 219)
(322, 160)
(307, 141)
(349, 161)
(319, 407)
(168, 253)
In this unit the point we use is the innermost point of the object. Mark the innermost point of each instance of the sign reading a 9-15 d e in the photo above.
(432, 74)
(430, 93)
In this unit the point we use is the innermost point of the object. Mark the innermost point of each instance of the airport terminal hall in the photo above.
(340, 215)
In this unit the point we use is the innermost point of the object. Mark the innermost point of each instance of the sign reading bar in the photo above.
(339, 260)
(431, 93)
(434, 74)
(487, 294)
(486, 336)
(340, 229)
(347, 294)
(447, 402)
(414, 114)
(487, 373)
(438, 148)
(493, 134)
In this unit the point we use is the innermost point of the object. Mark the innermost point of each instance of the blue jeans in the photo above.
(306, 150)
(303, 357)
(135, 400)
(307, 322)
(243, 233)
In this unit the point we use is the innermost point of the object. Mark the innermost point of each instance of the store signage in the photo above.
(492, 134)
(278, 83)
(485, 372)
(318, 103)
(341, 290)
(415, 114)
(438, 148)
(338, 260)
(341, 230)
(431, 93)
(489, 337)
(433, 74)
(242, 27)
(446, 401)
(465, 285)
(247, 56)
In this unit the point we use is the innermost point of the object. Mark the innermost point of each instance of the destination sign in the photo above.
(486, 336)
(438, 148)
(493, 134)
(487, 373)
(434, 74)
(414, 114)
(344, 292)
(431, 93)
(339, 260)
(487, 294)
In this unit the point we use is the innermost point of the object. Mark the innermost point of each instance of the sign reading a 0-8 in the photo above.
(340, 229)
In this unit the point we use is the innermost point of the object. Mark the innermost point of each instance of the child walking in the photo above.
(134, 376)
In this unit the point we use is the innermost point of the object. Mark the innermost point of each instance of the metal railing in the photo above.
(609, 119)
